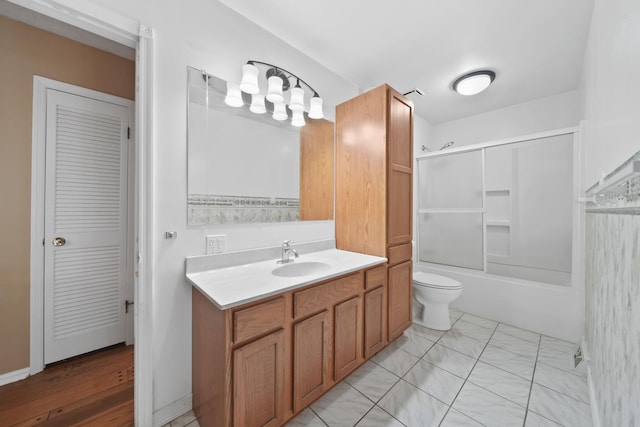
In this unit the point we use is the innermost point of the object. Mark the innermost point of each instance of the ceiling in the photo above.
(536, 47)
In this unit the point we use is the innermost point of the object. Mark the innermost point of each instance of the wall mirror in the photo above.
(249, 168)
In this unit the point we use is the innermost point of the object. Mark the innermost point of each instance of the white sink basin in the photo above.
(297, 269)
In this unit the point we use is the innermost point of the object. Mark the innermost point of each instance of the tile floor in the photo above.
(479, 373)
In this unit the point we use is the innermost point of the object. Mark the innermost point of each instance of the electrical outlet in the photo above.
(216, 244)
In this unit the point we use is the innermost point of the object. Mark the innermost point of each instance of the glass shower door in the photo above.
(451, 206)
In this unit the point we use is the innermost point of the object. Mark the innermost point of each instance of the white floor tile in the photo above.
(450, 360)
(455, 314)
(422, 332)
(535, 420)
(488, 408)
(519, 333)
(561, 360)
(458, 419)
(342, 405)
(558, 407)
(479, 321)
(435, 381)
(412, 406)
(508, 361)
(462, 343)
(395, 360)
(379, 418)
(472, 330)
(515, 345)
(558, 345)
(413, 344)
(503, 383)
(564, 382)
(372, 380)
(306, 418)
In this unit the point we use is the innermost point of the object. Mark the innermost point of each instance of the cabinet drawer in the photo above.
(398, 254)
(256, 320)
(321, 297)
(375, 277)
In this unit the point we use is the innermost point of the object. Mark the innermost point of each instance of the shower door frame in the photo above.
(577, 232)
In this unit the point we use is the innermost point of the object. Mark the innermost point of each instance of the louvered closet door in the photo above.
(85, 225)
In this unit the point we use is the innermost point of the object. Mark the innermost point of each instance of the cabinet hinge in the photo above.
(128, 133)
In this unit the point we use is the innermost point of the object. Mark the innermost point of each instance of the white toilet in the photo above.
(432, 294)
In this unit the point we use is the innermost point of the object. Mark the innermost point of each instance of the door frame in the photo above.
(38, 175)
(130, 32)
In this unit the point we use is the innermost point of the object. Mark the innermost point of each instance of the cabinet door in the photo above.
(400, 146)
(310, 359)
(347, 337)
(375, 321)
(258, 382)
(400, 293)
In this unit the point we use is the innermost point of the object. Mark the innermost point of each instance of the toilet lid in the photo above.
(435, 281)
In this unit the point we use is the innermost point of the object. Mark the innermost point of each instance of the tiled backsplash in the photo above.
(219, 209)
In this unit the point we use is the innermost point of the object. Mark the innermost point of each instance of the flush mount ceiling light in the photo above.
(474, 82)
(279, 81)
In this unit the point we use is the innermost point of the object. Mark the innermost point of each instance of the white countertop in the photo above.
(230, 287)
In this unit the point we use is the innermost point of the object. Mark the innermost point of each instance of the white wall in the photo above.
(553, 112)
(205, 35)
(612, 94)
(612, 112)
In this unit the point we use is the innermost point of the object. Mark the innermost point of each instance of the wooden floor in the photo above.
(96, 390)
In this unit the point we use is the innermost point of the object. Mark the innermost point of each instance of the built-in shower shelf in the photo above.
(498, 223)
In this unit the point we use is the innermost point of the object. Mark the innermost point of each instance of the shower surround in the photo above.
(613, 308)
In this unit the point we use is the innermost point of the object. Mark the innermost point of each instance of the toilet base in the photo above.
(434, 316)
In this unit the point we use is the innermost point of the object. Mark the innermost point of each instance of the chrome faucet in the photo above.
(287, 250)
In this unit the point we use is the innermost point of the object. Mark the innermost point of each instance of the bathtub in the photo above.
(549, 309)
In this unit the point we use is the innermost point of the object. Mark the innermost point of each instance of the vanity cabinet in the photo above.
(311, 345)
(374, 179)
(400, 287)
(261, 363)
(375, 310)
(347, 336)
(258, 381)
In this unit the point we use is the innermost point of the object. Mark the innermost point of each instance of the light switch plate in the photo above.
(216, 244)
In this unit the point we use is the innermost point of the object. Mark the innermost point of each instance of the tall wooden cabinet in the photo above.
(374, 179)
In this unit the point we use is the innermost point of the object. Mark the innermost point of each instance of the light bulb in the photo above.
(315, 108)
(298, 119)
(280, 112)
(249, 83)
(274, 92)
(234, 97)
(297, 99)
(257, 104)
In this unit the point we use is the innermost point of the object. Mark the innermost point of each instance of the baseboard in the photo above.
(13, 376)
(593, 402)
(172, 411)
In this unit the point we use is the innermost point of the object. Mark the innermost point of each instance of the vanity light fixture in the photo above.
(234, 97)
(279, 81)
(474, 82)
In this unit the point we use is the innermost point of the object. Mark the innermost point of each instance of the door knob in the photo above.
(59, 241)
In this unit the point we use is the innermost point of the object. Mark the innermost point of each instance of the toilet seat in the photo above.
(435, 281)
